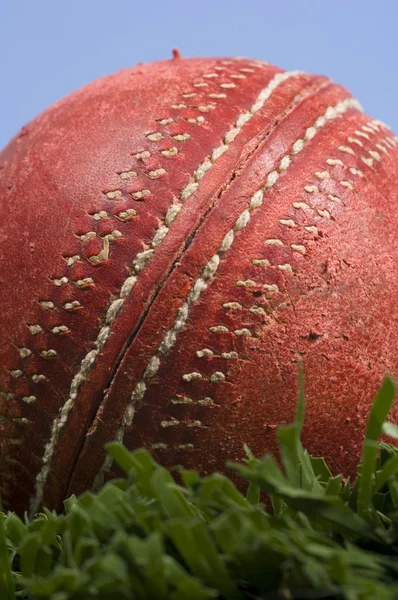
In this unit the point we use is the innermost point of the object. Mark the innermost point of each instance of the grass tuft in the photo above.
(146, 537)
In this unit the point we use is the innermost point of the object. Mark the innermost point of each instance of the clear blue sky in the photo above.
(49, 48)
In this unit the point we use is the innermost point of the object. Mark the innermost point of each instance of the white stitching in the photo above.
(231, 135)
(16, 373)
(139, 263)
(59, 329)
(203, 281)
(24, 352)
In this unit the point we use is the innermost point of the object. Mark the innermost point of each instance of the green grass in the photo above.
(146, 537)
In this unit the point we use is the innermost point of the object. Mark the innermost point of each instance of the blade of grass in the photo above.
(389, 469)
(320, 468)
(169, 494)
(289, 435)
(199, 552)
(287, 438)
(253, 491)
(378, 414)
(333, 486)
(253, 494)
(7, 587)
(292, 451)
(300, 410)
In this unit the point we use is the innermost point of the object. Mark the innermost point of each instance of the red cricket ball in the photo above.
(173, 237)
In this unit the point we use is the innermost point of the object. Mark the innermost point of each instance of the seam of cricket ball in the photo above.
(139, 263)
(210, 268)
(306, 92)
(234, 131)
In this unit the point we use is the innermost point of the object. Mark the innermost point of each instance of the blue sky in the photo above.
(50, 48)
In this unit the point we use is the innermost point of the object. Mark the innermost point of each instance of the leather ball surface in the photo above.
(173, 237)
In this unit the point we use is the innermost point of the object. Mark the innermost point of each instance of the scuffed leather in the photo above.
(336, 305)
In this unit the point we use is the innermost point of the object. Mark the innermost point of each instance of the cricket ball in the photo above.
(173, 238)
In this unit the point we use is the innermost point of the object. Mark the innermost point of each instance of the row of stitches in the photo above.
(139, 264)
(371, 128)
(210, 269)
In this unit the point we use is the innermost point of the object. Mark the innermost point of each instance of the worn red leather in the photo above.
(173, 238)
